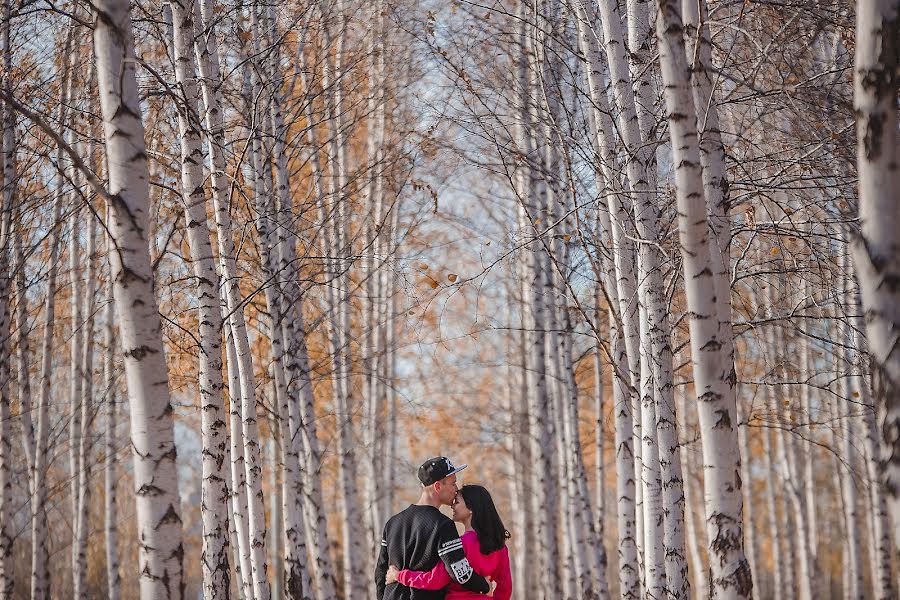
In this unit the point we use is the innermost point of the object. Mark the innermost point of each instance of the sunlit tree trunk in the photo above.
(876, 250)
(314, 506)
(527, 577)
(7, 526)
(808, 453)
(751, 537)
(882, 548)
(241, 386)
(642, 177)
(333, 85)
(849, 390)
(544, 499)
(238, 503)
(792, 526)
(9, 244)
(693, 533)
(152, 427)
(713, 368)
(374, 395)
(40, 550)
(599, 418)
(111, 445)
(76, 382)
(277, 251)
(257, 533)
(214, 492)
(86, 359)
(651, 478)
(778, 561)
(621, 289)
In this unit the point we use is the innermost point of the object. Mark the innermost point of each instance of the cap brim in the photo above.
(456, 470)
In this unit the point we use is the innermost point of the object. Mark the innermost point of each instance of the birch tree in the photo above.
(876, 251)
(216, 574)
(713, 368)
(6, 284)
(111, 445)
(152, 435)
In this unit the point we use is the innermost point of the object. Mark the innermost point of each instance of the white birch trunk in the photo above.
(629, 570)
(599, 417)
(849, 389)
(809, 487)
(7, 526)
(778, 582)
(852, 559)
(40, 551)
(793, 513)
(528, 577)
(712, 152)
(351, 520)
(8, 240)
(751, 537)
(86, 442)
(882, 548)
(693, 534)
(214, 492)
(640, 168)
(76, 381)
(374, 326)
(623, 280)
(111, 446)
(276, 249)
(250, 427)
(240, 369)
(392, 308)
(238, 503)
(313, 501)
(586, 541)
(544, 498)
(152, 427)
(276, 548)
(876, 250)
(651, 478)
(713, 366)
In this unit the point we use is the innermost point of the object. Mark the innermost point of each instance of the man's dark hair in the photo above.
(492, 535)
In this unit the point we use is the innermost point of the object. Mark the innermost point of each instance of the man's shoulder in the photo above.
(419, 513)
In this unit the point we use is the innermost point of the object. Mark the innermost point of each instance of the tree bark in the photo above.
(713, 367)
(214, 492)
(111, 446)
(152, 427)
(876, 250)
(40, 550)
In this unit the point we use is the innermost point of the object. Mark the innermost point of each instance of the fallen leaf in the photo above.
(452, 277)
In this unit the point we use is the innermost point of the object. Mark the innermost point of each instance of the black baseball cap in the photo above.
(435, 469)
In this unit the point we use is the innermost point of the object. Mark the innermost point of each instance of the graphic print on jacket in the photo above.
(417, 538)
(494, 565)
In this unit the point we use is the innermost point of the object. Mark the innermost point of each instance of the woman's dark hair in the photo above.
(492, 535)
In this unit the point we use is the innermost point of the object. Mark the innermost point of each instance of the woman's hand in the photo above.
(392, 574)
(493, 585)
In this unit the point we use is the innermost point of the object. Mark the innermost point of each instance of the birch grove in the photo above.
(635, 263)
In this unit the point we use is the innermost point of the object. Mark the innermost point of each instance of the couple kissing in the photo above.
(423, 558)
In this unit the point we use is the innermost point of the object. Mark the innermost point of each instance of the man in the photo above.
(416, 538)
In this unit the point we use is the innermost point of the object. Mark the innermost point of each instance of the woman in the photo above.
(484, 543)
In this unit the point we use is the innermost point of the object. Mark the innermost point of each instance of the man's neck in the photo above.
(427, 499)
